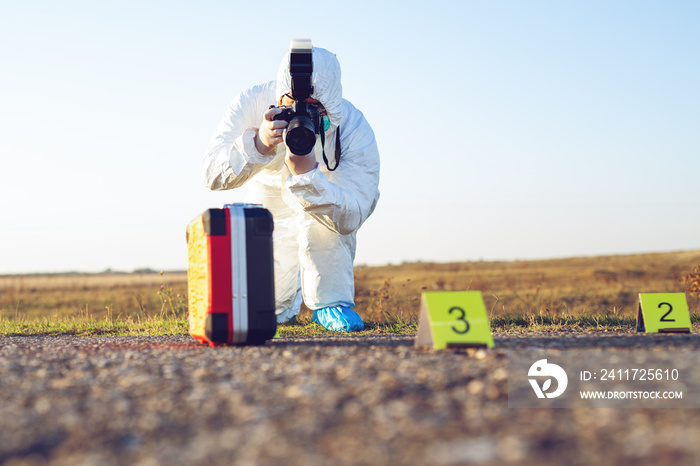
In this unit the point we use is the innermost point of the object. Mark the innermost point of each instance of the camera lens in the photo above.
(301, 136)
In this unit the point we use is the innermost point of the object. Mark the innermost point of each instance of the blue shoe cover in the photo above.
(338, 319)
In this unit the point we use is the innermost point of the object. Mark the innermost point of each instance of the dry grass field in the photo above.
(606, 285)
(102, 295)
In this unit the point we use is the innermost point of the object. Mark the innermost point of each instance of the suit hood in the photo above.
(325, 80)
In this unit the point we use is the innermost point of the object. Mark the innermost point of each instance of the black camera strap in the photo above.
(337, 148)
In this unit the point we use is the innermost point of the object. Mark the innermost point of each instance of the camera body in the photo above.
(303, 117)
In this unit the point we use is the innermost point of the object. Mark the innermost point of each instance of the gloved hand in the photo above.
(299, 164)
(270, 132)
(338, 319)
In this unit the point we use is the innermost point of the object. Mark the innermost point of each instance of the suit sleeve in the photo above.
(343, 199)
(232, 158)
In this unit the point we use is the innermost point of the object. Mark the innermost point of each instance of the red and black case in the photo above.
(230, 276)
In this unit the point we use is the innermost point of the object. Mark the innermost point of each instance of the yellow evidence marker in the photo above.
(663, 313)
(453, 319)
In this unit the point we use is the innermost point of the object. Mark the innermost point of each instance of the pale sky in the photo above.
(507, 130)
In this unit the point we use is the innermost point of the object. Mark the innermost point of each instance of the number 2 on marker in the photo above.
(670, 308)
(461, 318)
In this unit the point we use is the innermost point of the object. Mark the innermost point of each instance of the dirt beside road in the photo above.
(331, 400)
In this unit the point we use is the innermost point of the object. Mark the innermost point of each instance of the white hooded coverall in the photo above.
(316, 214)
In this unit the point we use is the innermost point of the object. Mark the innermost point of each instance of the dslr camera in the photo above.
(303, 117)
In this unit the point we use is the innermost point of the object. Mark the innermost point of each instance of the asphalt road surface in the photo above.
(305, 401)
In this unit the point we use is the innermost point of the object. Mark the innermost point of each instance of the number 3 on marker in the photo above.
(670, 308)
(462, 316)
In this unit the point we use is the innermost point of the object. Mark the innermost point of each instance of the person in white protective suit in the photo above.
(317, 206)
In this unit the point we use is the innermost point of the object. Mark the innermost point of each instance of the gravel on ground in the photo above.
(318, 400)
